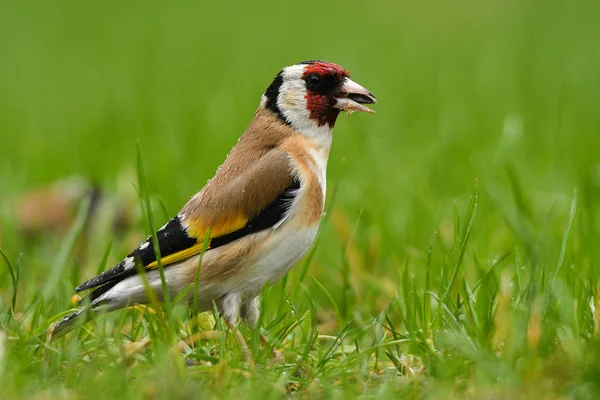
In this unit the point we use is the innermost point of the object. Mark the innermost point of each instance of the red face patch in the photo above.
(323, 69)
(320, 100)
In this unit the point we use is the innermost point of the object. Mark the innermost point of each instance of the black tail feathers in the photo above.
(67, 324)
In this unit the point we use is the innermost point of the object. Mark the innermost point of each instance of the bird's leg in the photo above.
(250, 314)
(229, 306)
(242, 342)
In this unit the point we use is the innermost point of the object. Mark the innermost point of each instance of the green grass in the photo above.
(459, 254)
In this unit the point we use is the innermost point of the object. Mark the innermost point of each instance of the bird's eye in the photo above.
(314, 81)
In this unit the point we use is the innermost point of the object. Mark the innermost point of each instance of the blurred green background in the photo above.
(463, 87)
(505, 93)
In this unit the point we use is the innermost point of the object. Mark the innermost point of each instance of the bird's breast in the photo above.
(309, 163)
(288, 241)
(282, 251)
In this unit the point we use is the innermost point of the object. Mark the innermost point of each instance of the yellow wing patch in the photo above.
(228, 223)
(197, 229)
(181, 255)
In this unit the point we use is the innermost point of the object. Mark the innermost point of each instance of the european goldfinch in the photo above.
(261, 210)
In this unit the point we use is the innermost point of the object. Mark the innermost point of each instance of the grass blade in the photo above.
(66, 248)
(567, 236)
(14, 276)
(148, 219)
(465, 234)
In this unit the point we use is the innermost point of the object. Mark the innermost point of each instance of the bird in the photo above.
(258, 215)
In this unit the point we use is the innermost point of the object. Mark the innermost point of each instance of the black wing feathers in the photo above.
(173, 238)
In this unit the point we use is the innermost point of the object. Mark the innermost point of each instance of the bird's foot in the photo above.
(278, 358)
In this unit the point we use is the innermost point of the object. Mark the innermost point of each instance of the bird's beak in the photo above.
(353, 96)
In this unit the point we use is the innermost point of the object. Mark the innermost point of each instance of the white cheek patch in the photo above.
(291, 102)
(293, 99)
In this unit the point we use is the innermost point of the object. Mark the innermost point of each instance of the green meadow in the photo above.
(459, 253)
